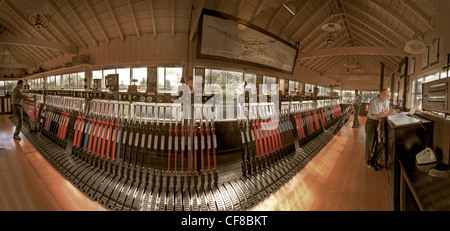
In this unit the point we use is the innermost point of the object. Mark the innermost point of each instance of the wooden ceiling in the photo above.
(373, 31)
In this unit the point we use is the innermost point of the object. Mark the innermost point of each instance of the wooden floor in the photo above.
(335, 180)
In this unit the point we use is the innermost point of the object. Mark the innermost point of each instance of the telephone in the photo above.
(426, 156)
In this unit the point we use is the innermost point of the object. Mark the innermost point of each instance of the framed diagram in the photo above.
(425, 59)
(412, 65)
(227, 38)
(434, 52)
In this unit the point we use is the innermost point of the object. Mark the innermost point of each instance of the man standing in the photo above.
(19, 111)
(378, 110)
(356, 105)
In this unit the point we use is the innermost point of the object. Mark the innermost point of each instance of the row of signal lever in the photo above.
(132, 148)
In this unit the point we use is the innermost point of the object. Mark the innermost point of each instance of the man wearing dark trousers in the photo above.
(378, 110)
(19, 111)
(356, 105)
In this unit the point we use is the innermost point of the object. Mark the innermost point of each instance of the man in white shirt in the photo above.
(378, 110)
(356, 106)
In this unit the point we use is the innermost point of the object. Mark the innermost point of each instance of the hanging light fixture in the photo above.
(330, 34)
(330, 29)
(38, 19)
(415, 45)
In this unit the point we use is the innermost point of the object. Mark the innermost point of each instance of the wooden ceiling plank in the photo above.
(172, 17)
(421, 15)
(133, 18)
(152, 16)
(369, 14)
(318, 9)
(258, 10)
(23, 18)
(373, 28)
(11, 39)
(398, 18)
(81, 21)
(65, 21)
(297, 14)
(113, 17)
(360, 50)
(94, 16)
(276, 15)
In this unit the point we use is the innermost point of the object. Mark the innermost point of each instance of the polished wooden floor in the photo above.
(335, 180)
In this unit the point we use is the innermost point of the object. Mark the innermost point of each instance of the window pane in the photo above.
(66, 81)
(173, 78)
(432, 77)
(2, 87)
(140, 74)
(250, 78)
(419, 86)
(161, 77)
(81, 80)
(105, 73)
(57, 81)
(73, 81)
(124, 78)
(268, 81)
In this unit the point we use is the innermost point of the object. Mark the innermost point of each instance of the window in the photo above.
(140, 74)
(348, 96)
(309, 88)
(169, 78)
(9, 86)
(51, 84)
(57, 81)
(432, 77)
(124, 78)
(2, 87)
(368, 95)
(268, 82)
(81, 82)
(293, 86)
(250, 78)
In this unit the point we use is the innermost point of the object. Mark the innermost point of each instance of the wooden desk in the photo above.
(404, 140)
(430, 193)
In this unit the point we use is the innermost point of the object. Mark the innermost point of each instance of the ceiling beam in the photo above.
(18, 40)
(130, 8)
(373, 27)
(198, 7)
(152, 16)
(318, 9)
(398, 18)
(64, 19)
(113, 17)
(94, 16)
(81, 21)
(416, 11)
(241, 3)
(297, 14)
(361, 50)
(24, 19)
(276, 15)
(15, 65)
(377, 19)
(172, 17)
(365, 74)
(258, 10)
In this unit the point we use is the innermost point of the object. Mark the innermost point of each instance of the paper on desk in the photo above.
(398, 115)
